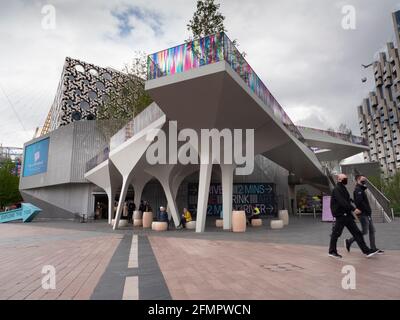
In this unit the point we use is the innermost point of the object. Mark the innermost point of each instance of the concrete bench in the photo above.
(284, 216)
(121, 224)
(256, 222)
(147, 219)
(137, 215)
(159, 226)
(276, 224)
(191, 225)
(239, 221)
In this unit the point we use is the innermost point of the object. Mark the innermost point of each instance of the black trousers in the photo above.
(367, 227)
(337, 230)
(183, 222)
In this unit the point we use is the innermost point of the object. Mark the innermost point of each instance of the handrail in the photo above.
(331, 181)
(98, 158)
(209, 50)
(383, 201)
(339, 135)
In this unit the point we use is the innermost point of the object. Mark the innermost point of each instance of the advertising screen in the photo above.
(35, 158)
(245, 196)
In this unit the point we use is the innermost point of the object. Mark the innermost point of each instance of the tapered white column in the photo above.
(227, 189)
(111, 197)
(172, 211)
(122, 197)
(202, 201)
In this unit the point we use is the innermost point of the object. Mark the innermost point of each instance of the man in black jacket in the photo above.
(342, 209)
(362, 204)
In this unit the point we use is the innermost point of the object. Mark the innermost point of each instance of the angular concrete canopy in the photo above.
(332, 148)
(214, 96)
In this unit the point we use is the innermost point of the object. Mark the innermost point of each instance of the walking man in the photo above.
(342, 209)
(362, 204)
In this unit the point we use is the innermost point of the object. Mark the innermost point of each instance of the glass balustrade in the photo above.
(212, 49)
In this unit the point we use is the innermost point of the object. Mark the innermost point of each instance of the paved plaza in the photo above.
(93, 262)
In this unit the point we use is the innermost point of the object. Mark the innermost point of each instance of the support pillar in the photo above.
(172, 211)
(111, 198)
(122, 197)
(227, 190)
(204, 189)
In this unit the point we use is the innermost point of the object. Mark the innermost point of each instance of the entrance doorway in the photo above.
(100, 206)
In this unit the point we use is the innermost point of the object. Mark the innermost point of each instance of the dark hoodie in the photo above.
(340, 201)
(361, 200)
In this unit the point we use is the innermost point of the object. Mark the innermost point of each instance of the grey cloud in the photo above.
(297, 47)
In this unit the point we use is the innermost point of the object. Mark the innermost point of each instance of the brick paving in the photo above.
(222, 270)
(79, 258)
(94, 262)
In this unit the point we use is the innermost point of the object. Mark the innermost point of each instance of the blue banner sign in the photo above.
(26, 213)
(35, 158)
(245, 197)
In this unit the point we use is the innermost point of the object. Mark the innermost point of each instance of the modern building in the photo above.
(206, 84)
(82, 90)
(54, 165)
(380, 111)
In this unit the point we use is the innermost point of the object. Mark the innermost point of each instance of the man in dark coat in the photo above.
(362, 204)
(342, 210)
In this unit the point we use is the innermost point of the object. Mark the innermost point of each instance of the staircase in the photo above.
(378, 212)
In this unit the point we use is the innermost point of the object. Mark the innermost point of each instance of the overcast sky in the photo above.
(297, 47)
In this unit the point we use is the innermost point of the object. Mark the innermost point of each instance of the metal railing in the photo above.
(212, 49)
(97, 159)
(138, 123)
(343, 136)
(331, 181)
(381, 199)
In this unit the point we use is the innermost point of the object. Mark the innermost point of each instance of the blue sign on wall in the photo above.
(35, 158)
(245, 196)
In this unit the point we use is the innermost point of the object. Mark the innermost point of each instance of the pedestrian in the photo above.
(163, 216)
(131, 209)
(362, 204)
(342, 210)
(141, 207)
(185, 217)
(255, 214)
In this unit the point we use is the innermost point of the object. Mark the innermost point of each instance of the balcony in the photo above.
(210, 50)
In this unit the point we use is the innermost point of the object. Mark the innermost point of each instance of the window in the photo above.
(100, 85)
(76, 116)
(92, 95)
(94, 72)
(84, 105)
(107, 76)
(79, 68)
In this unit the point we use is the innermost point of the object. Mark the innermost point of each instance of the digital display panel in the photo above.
(35, 158)
(245, 196)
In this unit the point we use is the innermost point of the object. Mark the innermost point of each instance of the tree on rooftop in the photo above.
(207, 20)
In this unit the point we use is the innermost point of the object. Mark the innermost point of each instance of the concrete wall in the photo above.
(62, 190)
(62, 201)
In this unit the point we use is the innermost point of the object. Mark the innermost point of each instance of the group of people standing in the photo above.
(162, 214)
(346, 211)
